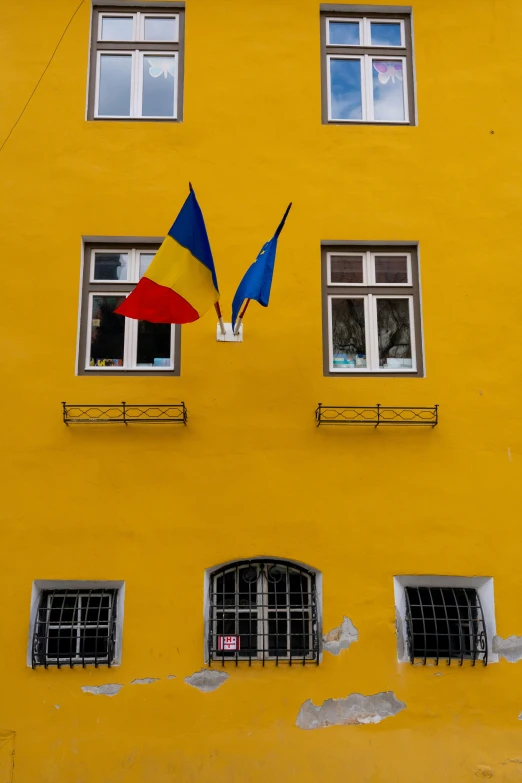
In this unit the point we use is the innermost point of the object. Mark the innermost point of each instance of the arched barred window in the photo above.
(263, 610)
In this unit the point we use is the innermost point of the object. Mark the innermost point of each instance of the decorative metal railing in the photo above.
(124, 414)
(375, 415)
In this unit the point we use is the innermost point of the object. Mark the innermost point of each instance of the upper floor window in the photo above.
(263, 610)
(367, 68)
(109, 342)
(76, 623)
(371, 303)
(136, 64)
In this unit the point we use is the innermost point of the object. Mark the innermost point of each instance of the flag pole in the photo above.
(220, 319)
(216, 305)
(240, 318)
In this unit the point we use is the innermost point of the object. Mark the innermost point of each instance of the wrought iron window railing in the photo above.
(377, 415)
(124, 414)
(263, 610)
(445, 623)
(75, 627)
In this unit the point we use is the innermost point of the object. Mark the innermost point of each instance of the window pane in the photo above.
(384, 34)
(94, 642)
(96, 608)
(391, 269)
(111, 266)
(247, 586)
(63, 609)
(61, 642)
(145, 261)
(107, 332)
(393, 324)
(345, 89)
(153, 344)
(159, 75)
(117, 28)
(115, 85)
(348, 333)
(346, 269)
(160, 29)
(344, 33)
(388, 94)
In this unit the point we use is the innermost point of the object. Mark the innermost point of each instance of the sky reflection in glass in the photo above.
(345, 89)
(388, 93)
(344, 33)
(386, 34)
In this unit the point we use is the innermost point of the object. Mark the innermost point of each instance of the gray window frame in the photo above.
(144, 244)
(131, 46)
(412, 290)
(372, 12)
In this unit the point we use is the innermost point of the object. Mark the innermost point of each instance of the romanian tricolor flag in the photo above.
(180, 285)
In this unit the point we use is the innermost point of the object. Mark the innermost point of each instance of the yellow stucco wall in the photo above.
(251, 474)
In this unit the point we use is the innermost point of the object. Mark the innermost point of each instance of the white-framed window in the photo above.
(109, 342)
(441, 619)
(75, 623)
(263, 609)
(368, 69)
(135, 65)
(372, 311)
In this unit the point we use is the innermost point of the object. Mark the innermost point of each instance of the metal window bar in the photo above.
(271, 609)
(122, 413)
(445, 622)
(377, 415)
(75, 627)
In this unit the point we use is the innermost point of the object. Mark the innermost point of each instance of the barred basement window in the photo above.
(263, 610)
(445, 622)
(75, 627)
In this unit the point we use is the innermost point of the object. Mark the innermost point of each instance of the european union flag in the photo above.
(257, 281)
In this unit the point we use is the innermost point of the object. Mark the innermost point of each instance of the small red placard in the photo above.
(228, 643)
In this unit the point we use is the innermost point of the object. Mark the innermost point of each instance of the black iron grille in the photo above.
(445, 622)
(263, 611)
(75, 627)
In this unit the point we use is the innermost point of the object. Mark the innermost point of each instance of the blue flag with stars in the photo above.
(257, 282)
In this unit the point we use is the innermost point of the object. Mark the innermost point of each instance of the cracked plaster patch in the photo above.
(207, 680)
(103, 690)
(510, 648)
(145, 681)
(340, 638)
(352, 711)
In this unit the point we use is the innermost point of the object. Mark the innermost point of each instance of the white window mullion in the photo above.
(372, 335)
(368, 88)
(366, 32)
(368, 269)
(78, 627)
(131, 339)
(262, 623)
(412, 334)
(136, 83)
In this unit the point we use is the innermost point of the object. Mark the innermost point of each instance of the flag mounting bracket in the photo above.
(229, 336)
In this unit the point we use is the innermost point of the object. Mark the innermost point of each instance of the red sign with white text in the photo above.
(228, 643)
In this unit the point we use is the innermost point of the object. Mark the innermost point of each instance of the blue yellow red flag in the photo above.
(257, 281)
(180, 284)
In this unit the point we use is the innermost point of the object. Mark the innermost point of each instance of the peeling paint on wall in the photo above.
(207, 680)
(510, 648)
(171, 677)
(340, 638)
(103, 690)
(352, 711)
(400, 635)
(145, 681)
